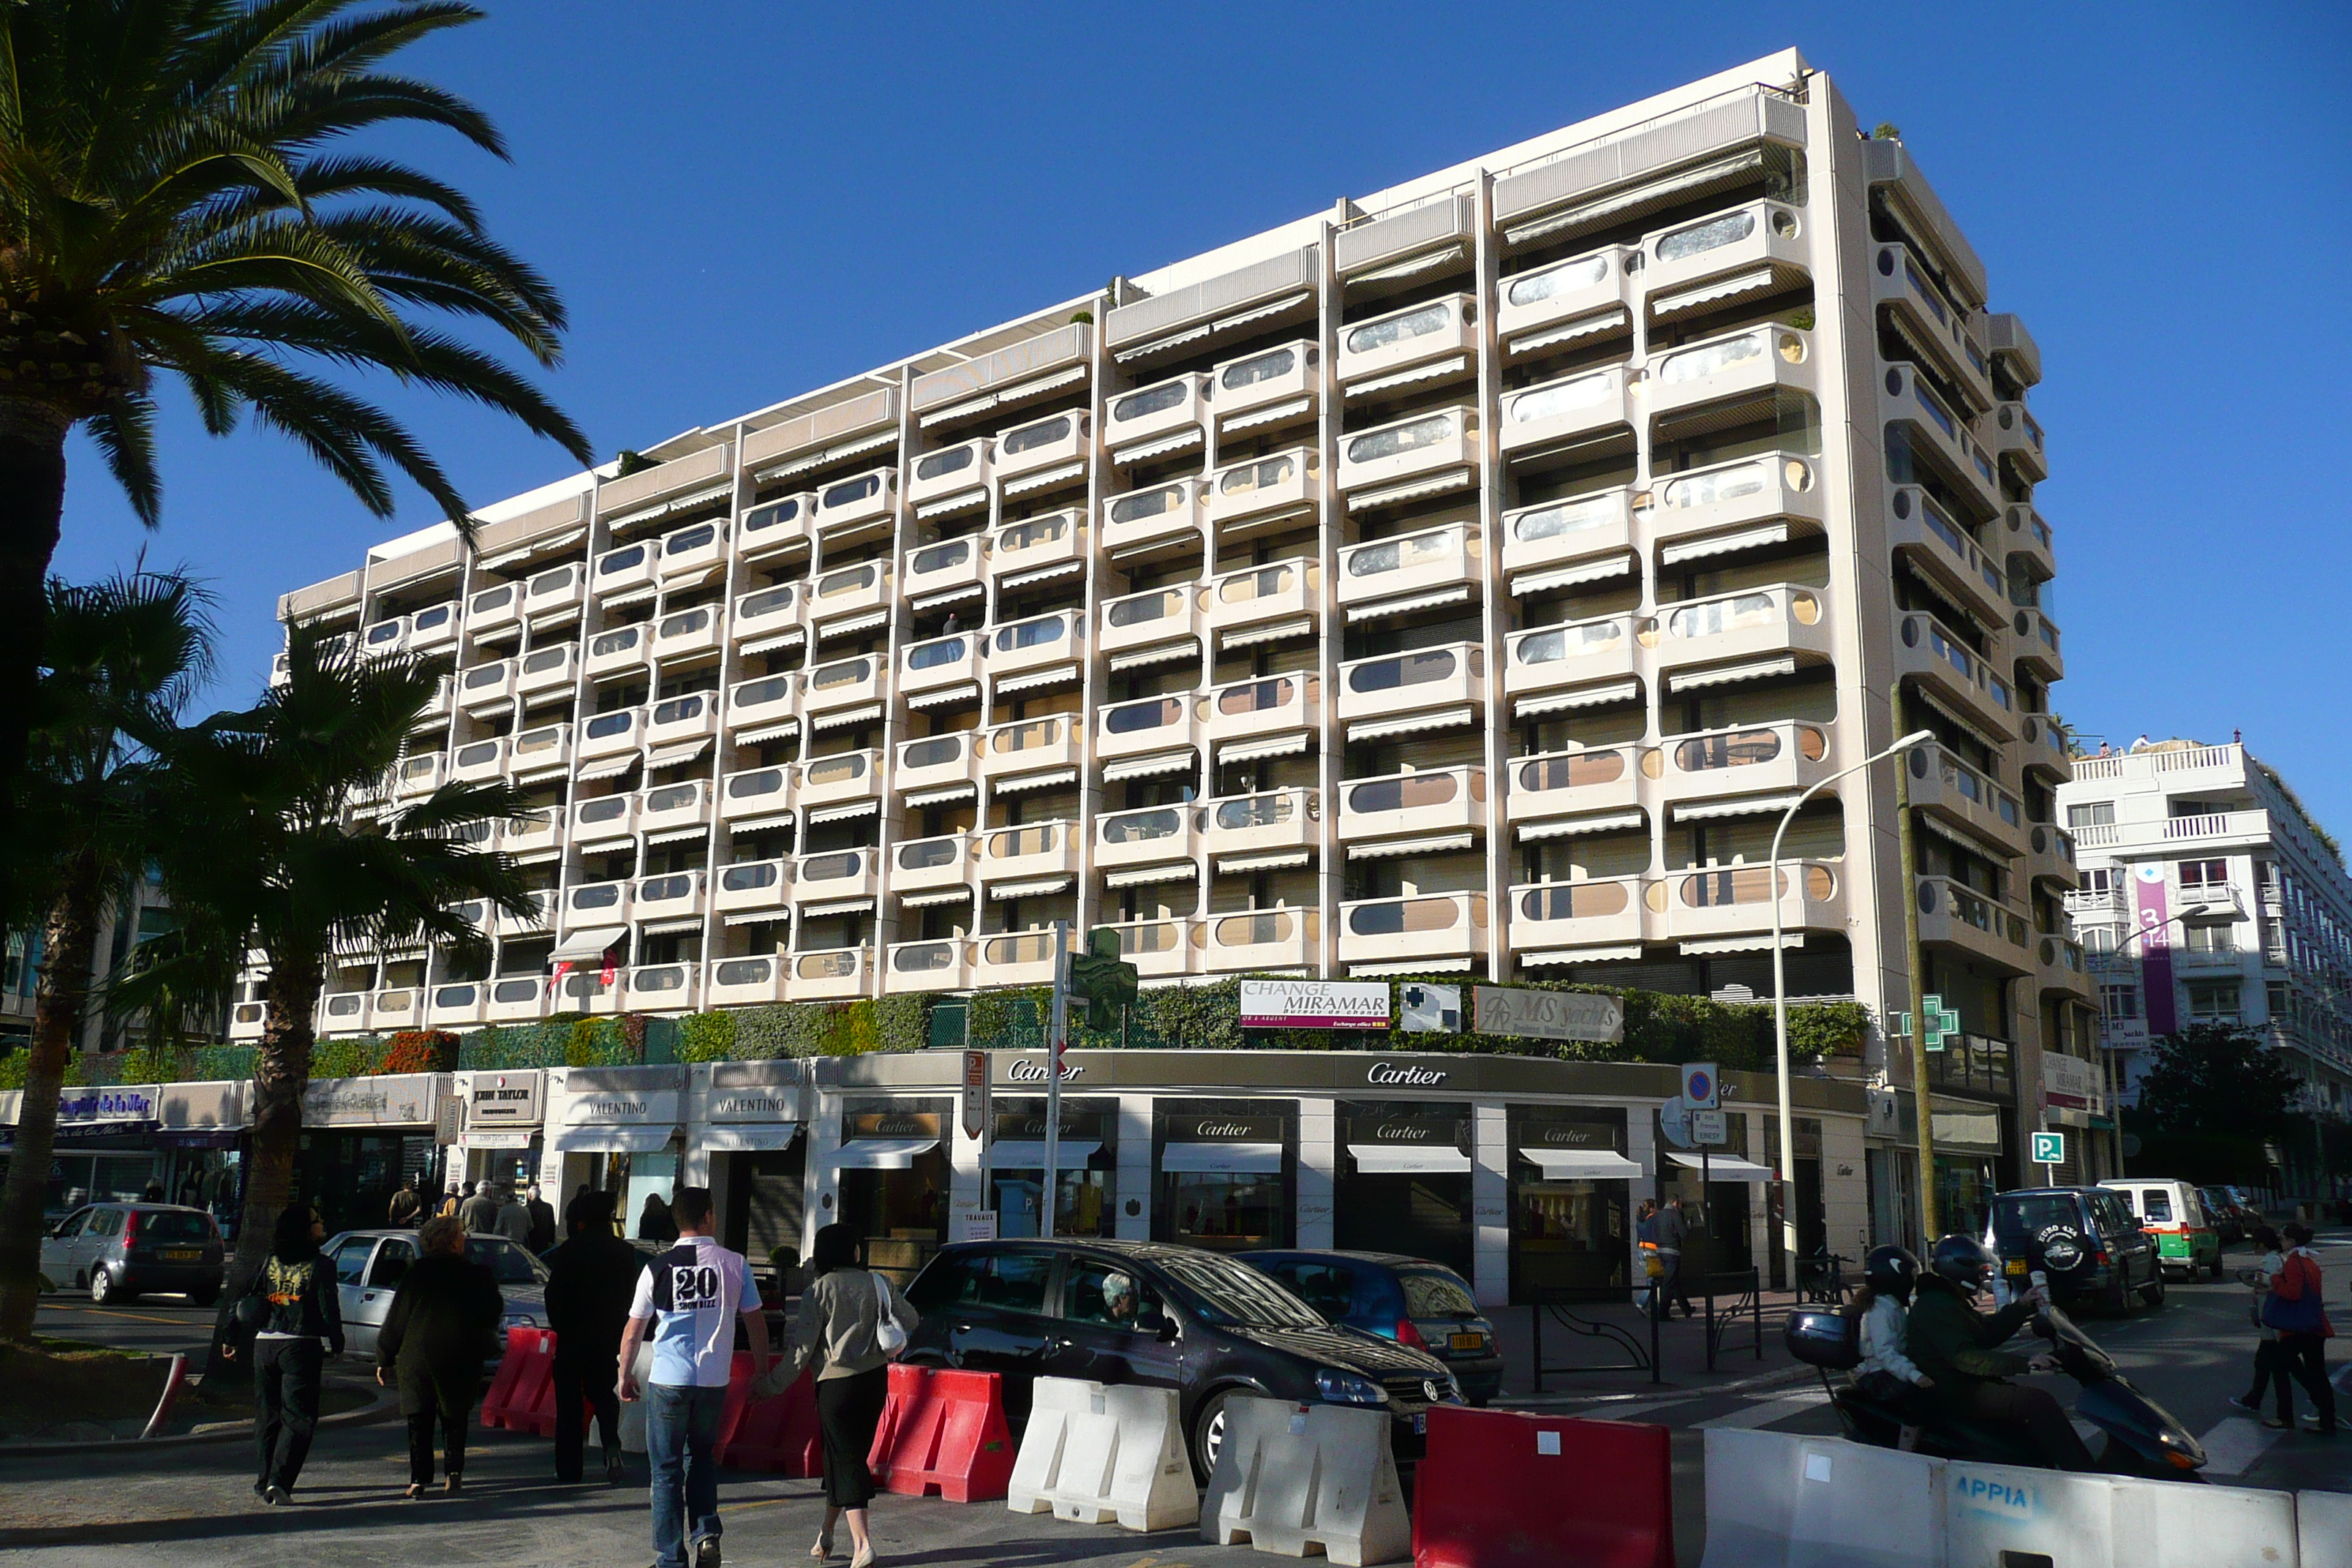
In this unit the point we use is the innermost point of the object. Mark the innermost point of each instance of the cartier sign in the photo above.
(1032, 1070)
(1405, 1075)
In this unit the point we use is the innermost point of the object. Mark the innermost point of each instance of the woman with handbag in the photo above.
(2270, 1365)
(851, 1323)
(2293, 1309)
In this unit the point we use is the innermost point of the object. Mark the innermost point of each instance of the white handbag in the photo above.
(887, 1335)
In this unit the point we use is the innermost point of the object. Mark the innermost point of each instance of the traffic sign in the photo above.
(975, 1094)
(2049, 1148)
(1699, 1086)
(1674, 1121)
(1710, 1128)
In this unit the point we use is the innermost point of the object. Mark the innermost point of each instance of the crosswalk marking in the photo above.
(2234, 1445)
(1765, 1412)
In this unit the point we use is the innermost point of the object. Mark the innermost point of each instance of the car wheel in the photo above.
(2153, 1292)
(2216, 1269)
(1208, 1438)
(101, 1288)
(2119, 1296)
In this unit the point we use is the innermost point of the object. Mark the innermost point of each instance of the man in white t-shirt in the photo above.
(686, 1303)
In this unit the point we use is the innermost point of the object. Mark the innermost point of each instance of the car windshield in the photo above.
(510, 1264)
(1430, 1294)
(1227, 1292)
(168, 1225)
(2018, 1215)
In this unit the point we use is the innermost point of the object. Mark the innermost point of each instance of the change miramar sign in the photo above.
(1315, 1004)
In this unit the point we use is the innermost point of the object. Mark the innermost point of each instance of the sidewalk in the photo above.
(1682, 1354)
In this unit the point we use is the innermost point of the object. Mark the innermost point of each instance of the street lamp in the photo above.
(1781, 992)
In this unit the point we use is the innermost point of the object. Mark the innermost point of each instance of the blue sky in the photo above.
(748, 200)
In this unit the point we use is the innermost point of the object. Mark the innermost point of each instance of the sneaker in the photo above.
(276, 1495)
(2273, 1423)
(2313, 1424)
(2252, 1407)
(705, 1553)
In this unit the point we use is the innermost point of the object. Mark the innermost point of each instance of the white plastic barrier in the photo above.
(1098, 1454)
(2165, 1524)
(2323, 1521)
(1775, 1500)
(1996, 1515)
(1291, 1477)
(632, 1414)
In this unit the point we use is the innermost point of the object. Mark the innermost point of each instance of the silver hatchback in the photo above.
(117, 1251)
(369, 1264)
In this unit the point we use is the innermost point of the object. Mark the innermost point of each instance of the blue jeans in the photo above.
(681, 1425)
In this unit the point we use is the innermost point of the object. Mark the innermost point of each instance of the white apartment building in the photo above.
(1461, 578)
(2210, 896)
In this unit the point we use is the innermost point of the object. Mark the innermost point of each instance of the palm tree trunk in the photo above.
(70, 939)
(32, 503)
(281, 1074)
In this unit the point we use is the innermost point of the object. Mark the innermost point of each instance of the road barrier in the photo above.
(633, 1411)
(778, 1434)
(1098, 1454)
(1774, 1500)
(1499, 1490)
(943, 1430)
(521, 1380)
(2323, 1522)
(1291, 1477)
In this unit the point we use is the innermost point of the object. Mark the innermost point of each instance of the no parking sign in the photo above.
(1699, 1086)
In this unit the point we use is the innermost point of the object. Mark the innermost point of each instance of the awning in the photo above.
(941, 599)
(880, 1153)
(1260, 313)
(1723, 1167)
(767, 733)
(1606, 954)
(1412, 723)
(1036, 888)
(604, 1139)
(670, 756)
(1150, 767)
(936, 796)
(745, 1137)
(1041, 574)
(1159, 449)
(1181, 871)
(1272, 631)
(837, 907)
(946, 696)
(1027, 1155)
(1411, 966)
(763, 824)
(1406, 1159)
(1269, 414)
(1584, 1165)
(1599, 322)
(1235, 1159)
(1430, 371)
(1407, 605)
(1052, 476)
(943, 896)
(677, 836)
(848, 624)
(1754, 806)
(553, 541)
(1724, 674)
(1725, 544)
(1390, 848)
(1755, 941)
(519, 1138)
(955, 503)
(606, 767)
(784, 638)
(847, 717)
(1572, 827)
(1165, 653)
(1031, 681)
(1581, 697)
(844, 812)
(1608, 566)
(671, 928)
(759, 917)
(1395, 495)
(589, 943)
(1634, 200)
(1046, 780)
(1269, 746)
(1707, 293)
(1271, 861)
(830, 455)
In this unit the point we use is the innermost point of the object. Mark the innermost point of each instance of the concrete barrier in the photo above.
(1502, 1489)
(943, 1431)
(1098, 1454)
(522, 1379)
(2165, 1524)
(1777, 1500)
(1996, 1515)
(2323, 1522)
(1294, 1476)
(632, 1412)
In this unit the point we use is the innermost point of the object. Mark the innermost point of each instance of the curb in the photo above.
(386, 1406)
(1662, 1391)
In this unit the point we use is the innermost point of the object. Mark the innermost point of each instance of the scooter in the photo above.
(2143, 1439)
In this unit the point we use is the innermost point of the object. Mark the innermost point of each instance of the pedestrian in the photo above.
(687, 1302)
(2269, 1366)
(543, 1223)
(841, 1312)
(1673, 1231)
(655, 1222)
(443, 1325)
(153, 1194)
(479, 1214)
(592, 1280)
(406, 1208)
(296, 1317)
(514, 1218)
(1645, 1251)
(2293, 1309)
(448, 1209)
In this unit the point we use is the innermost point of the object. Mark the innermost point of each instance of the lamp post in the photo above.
(1780, 991)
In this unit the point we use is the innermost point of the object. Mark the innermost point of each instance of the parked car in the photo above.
(119, 1251)
(369, 1265)
(2174, 1213)
(2229, 1220)
(2087, 1240)
(1200, 1322)
(1409, 1300)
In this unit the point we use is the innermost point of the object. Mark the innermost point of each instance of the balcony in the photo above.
(775, 526)
(343, 1013)
(608, 734)
(1596, 532)
(1161, 618)
(437, 706)
(555, 667)
(1040, 643)
(843, 685)
(247, 1019)
(1577, 664)
(1265, 490)
(1911, 402)
(2028, 536)
(1573, 785)
(1039, 550)
(856, 504)
(938, 767)
(1141, 521)
(943, 965)
(940, 665)
(1033, 746)
(1565, 302)
(1271, 716)
(433, 626)
(687, 634)
(1759, 632)
(2015, 438)
(605, 818)
(951, 479)
(1787, 756)
(532, 831)
(753, 885)
(843, 779)
(1157, 947)
(1926, 649)
(682, 718)
(478, 762)
(619, 651)
(545, 749)
(457, 1004)
(1449, 803)
(1043, 851)
(1957, 916)
(384, 638)
(1738, 367)
(619, 573)
(1015, 958)
(746, 982)
(1267, 389)
(1737, 900)
(1152, 837)
(1037, 456)
(762, 708)
(1252, 832)
(835, 880)
(486, 686)
(1759, 242)
(556, 593)
(1151, 724)
(516, 998)
(850, 599)
(396, 1009)
(944, 573)
(1154, 421)
(494, 608)
(698, 547)
(672, 809)
(1276, 938)
(1426, 343)
(2050, 857)
(1572, 409)
(539, 919)
(1603, 911)
(922, 865)
(2213, 829)
(593, 905)
(659, 988)
(1735, 506)
(2062, 963)
(1930, 326)
(1419, 570)
(1947, 553)
(1943, 784)
(1425, 455)
(1379, 933)
(1435, 688)
(1279, 600)
(420, 774)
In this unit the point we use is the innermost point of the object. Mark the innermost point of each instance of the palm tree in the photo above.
(271, 857)
(123, 657)
(177, 198)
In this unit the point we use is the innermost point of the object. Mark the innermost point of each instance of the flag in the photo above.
(612, 968)
(556, 978)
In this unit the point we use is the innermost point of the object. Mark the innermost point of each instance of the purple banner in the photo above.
(2151, 905)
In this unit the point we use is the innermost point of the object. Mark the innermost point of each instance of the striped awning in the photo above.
(1413, 723)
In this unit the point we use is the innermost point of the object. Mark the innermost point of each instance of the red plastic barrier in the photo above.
(778, 1435)
(1498, 1489)
(522, 1377)
(946, 1430)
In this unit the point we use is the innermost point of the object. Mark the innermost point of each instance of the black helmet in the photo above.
(1891, 1271)
(1964, 1260)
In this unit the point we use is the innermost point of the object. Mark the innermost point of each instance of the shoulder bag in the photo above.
(887, 1335)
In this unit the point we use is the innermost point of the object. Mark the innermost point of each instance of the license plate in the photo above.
(2017, 1266)
(1467, 1341)
(182, 1255)
(1420, 1423)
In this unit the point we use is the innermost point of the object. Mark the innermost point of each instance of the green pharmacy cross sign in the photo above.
(1102, 981)
(1942, 1024)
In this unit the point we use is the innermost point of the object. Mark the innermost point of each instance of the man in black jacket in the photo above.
(591, 1281)
(1958, 1348)
(296, 1314)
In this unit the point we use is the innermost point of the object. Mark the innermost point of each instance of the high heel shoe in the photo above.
(865, 1558)
(824, 1547)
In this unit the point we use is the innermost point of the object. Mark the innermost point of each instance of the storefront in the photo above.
(1967, 1164)
(1086, 1166)
(501, 1140)
(202, 1134)
(745, 1142)
(617, 1131)
(1573, 1189)
(1403, 1180)
(104, 1149)
(1228, 1173)
(889, 1180)
(361, 1137)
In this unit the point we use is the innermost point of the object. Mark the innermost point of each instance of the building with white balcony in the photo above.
(2210, 896)
(1615, 481)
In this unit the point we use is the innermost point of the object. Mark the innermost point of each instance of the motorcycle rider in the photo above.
(1889, 1276)
(1955, 1345)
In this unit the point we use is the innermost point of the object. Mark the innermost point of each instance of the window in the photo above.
(1085, 1299)
(2155, 1206)
(392, 1260)
(506, 1262)
(2120, 1003)
(2213, 1001)
(2281, 1006)
(351, 1259)
(2209, 939)
(106, 1222)
(1432, 1294)
(1328, 1288)
(2095, 814)
(2204, 874)
(1011, 1283)
(2098, 879)
(2097, 938)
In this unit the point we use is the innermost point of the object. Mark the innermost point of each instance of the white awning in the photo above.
(1608, 566)
(953, 504)
(1052, 476)
(553, 541)
(1723, 1167)
(946, 696)
(670, 928)
(1755, 941)
(1724, 674)
(942, 896)
(1272, 631)
(767, 733)
(1406, 605)
(1260, 313)
(759, 917)
(849, 623)
(1166, 653)
(513, 1139)
(1232, 1159)
(1189, 437)
(1725, 544)
(943, 794)
(1388, 849)
(1041, 574)
(830, 455)
(844, 812)
(1572, 827)
(741, 1137)
(1144, 876)
(943, 598)
(1267, 746)
(880, 1153)
(1583, 327)
(1754, 806)
(1271, 861)
(847, 717)
(621, 601)
(1394, 495)
(1268, 416)
(1156, 344)
(1152, 766)
(1035, 679)
(1607, 953)
(670, 756)
(1413, 723)
(589, 943)
(1584, 1165)
(784, 638)
(1036, 887)
(596, 1140)
(1043, 385)
(837, 907)
(1707, 293)
(1579, 697)
(1407, 1160)
(1445, 256)
(763, 824)
(1025, 1155)
(1449, 365)
(1414, 966)
(1021, 782)
(606, 767)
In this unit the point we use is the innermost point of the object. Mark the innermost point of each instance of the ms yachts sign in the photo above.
(1315, 1004)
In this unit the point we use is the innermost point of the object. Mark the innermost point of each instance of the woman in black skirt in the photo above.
(840, 1311)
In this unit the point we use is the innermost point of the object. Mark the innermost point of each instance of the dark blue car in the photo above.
(1409, 1300)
